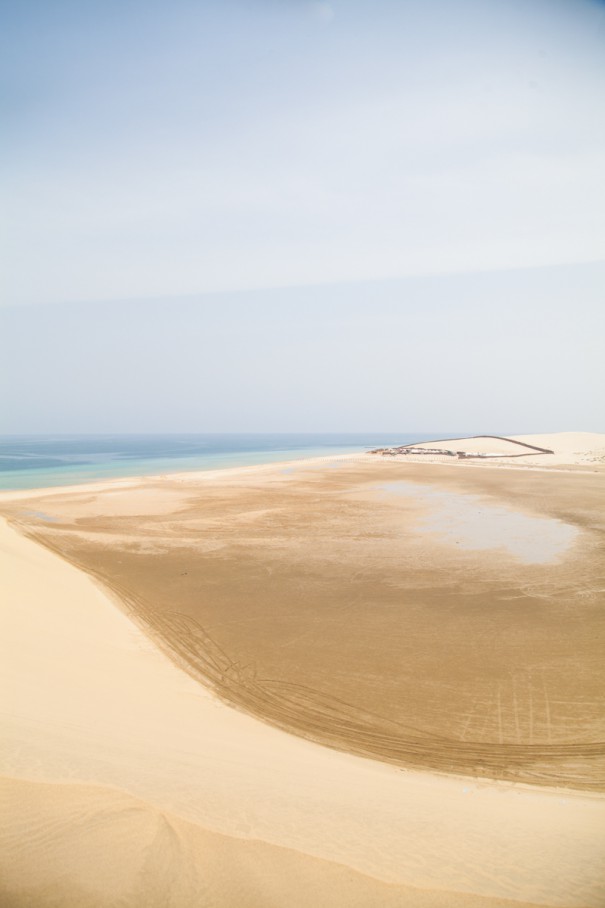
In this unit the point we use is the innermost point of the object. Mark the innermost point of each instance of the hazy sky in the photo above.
(516, 351)
(154, 149)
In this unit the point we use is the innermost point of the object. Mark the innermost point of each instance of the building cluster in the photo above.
(403, 449)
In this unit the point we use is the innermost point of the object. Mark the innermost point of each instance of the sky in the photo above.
(518, 351)
(342, 191)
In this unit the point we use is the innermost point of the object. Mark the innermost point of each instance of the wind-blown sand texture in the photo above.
(352, 601)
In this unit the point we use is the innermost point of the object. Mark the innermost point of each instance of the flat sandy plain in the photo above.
(438, 625)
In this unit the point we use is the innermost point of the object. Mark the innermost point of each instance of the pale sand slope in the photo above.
(87, 698)
(104, 847)
(576, 444)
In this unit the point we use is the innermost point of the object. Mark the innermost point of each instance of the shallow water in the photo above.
(473, 524)
(38, 461)
(40, 515)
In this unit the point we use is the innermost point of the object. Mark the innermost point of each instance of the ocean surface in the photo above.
(38, 461)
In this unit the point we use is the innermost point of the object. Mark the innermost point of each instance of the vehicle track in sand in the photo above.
(325, 615)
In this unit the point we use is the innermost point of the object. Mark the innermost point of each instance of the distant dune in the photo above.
(561, 449)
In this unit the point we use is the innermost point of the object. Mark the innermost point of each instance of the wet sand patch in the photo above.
(313, 601)
(472, 523)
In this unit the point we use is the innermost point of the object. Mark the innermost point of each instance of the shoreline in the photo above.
(126, 482)
(494, 463)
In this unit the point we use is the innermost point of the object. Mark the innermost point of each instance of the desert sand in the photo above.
(179, 651)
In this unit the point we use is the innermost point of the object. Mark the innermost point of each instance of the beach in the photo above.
(351, 680)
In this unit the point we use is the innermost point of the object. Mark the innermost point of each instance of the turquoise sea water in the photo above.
(38, 461)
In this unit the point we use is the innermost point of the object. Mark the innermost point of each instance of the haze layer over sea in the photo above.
(38, 461)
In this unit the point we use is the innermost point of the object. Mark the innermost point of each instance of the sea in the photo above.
(39, 461)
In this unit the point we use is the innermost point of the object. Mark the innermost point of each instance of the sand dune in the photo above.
(571, 449)
(432, 617)
(129, 782)
(82, 846)
(88, 698)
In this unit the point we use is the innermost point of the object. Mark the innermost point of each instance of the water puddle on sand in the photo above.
(470, 523)
(41, 515)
